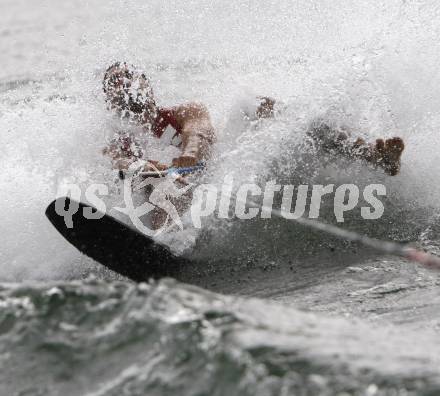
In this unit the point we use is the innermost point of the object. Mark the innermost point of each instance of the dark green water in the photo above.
(115, 338)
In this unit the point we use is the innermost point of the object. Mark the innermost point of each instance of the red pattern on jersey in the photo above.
(164, 119)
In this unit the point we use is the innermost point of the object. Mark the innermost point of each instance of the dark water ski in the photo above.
(115, 245)
(132, 254)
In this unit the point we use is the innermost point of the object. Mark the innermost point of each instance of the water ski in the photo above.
(114, 244)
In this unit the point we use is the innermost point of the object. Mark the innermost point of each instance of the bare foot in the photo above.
(386, 154)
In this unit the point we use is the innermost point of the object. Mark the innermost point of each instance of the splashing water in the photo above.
(368, 65)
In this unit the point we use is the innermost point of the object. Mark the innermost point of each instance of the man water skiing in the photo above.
(128, 92)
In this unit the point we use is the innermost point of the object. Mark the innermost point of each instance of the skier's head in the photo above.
(128, 92)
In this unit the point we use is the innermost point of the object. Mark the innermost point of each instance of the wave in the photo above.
(100, 338)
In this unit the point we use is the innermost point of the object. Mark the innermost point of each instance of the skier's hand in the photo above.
(184, 161)
(152, 166)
